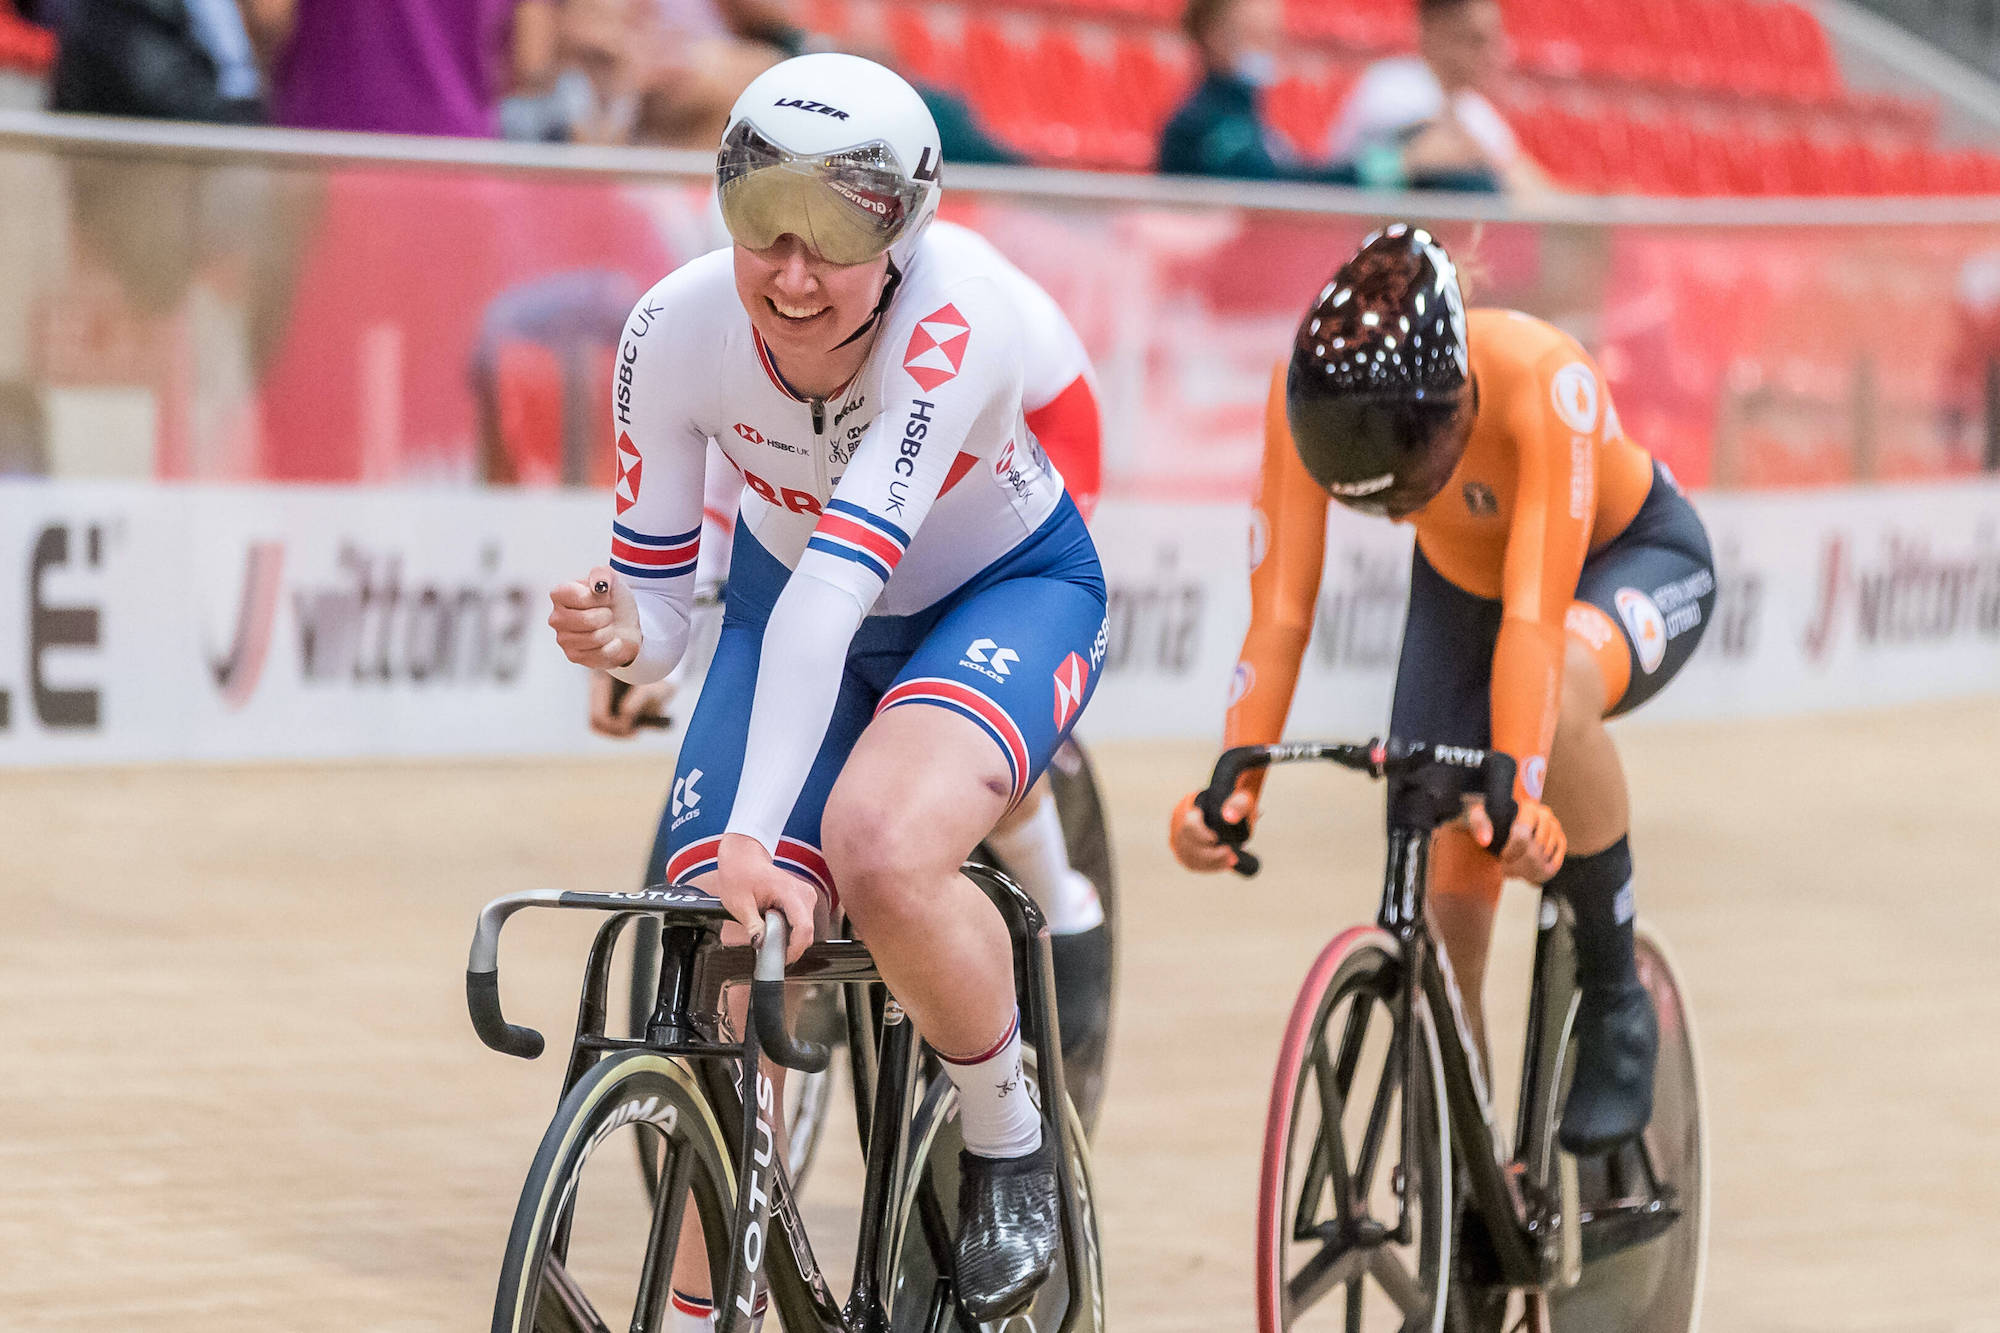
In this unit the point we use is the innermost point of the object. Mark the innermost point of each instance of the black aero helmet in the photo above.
(1379, 392)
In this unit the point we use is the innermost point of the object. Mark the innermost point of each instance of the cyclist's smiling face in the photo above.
(802, 304)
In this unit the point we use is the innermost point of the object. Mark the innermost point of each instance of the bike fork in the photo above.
(887, 1143)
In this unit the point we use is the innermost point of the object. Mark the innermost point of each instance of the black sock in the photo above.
(1599, 890)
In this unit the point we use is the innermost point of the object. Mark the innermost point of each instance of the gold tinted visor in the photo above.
(848, 206)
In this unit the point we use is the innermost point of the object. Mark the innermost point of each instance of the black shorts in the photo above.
(1652, 589)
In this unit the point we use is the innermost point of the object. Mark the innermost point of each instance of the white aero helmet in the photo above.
(836, 150)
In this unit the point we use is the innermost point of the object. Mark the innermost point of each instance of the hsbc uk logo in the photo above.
(1071, 678)
(685, 797)
(630, 465)
(937, 347)
(749, 434)
(989, 659)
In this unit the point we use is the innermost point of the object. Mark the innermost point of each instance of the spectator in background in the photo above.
(1220, 130)
(173, 59)
(1424, 121)
(398, 66)
(608, 52)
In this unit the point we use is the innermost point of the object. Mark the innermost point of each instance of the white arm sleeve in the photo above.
(898, 469)
(656, 533)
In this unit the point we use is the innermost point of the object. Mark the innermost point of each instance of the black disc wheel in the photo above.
(925, 1223)
(1354, 1232)
(1644, 1231)
(591, 1257)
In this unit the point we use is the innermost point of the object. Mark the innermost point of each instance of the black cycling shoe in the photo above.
(1611, 1099)
(1007, 1230)
(1082, 964)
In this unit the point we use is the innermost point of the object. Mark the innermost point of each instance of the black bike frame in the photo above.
(1426, 786)
(694, 972)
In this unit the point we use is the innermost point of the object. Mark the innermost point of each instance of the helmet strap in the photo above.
(889, 286)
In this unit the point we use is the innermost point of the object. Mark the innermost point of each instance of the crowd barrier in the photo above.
(149, 623)
(208, 304)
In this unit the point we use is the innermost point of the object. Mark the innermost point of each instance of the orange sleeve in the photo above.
(1287, 549)
(1554, 498)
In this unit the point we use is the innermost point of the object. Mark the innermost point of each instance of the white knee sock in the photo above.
(1038, 859)
(696, 1314)
(995, 1111)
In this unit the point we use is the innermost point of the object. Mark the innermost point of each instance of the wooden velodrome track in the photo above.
(241, 1092)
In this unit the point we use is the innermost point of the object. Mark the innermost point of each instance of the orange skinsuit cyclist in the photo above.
(1559, 578)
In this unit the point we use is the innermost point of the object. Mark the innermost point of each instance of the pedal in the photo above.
(1626, 1202)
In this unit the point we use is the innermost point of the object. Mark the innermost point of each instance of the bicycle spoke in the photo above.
(1334, 1081)
(1335, 1265)
(1329, 1156)
(663, 1239)
(1378, 1119)
(575, 1304)
(1397, 1283)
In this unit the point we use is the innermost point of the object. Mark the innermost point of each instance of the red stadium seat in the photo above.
(919, 52)
(992, 77)
(23, 46)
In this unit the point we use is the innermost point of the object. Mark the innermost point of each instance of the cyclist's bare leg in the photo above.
(1586, 786)
(1465, 893)
(921, 788)
(1029, 841)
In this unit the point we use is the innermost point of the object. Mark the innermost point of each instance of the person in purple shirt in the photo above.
(396, 66)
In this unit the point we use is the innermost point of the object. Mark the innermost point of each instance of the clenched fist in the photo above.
(596, 629)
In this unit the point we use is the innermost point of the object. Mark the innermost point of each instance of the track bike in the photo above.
(697, 1092)
(1389, 1196)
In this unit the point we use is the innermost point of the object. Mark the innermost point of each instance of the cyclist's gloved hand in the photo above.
(1534, 847)
(596, 629)
(1195, 845)
(621, 720)
(748, 883)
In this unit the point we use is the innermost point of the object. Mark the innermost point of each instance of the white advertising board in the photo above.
(150, 623)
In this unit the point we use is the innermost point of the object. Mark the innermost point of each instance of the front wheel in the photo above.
(572, 1269)
(1354, 1233)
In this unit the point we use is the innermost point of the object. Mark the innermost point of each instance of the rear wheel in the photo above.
(1336, 1179)
(585, 1261)
(926, 1221)
(1645, 1233)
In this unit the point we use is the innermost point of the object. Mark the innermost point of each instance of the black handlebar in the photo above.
(767, 1002)
(482, 997)
(619, 689)
(1445, 771)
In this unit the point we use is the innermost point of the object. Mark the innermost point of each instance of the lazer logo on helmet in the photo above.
(803, 105)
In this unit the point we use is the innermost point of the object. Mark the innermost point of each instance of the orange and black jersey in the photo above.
(1547, 478)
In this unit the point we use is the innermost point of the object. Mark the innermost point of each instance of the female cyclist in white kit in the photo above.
(915, 618)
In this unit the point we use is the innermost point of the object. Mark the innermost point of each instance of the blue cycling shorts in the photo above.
(1017, 650)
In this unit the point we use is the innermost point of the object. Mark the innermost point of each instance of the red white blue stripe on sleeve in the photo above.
(637, 555)
(852, 533)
